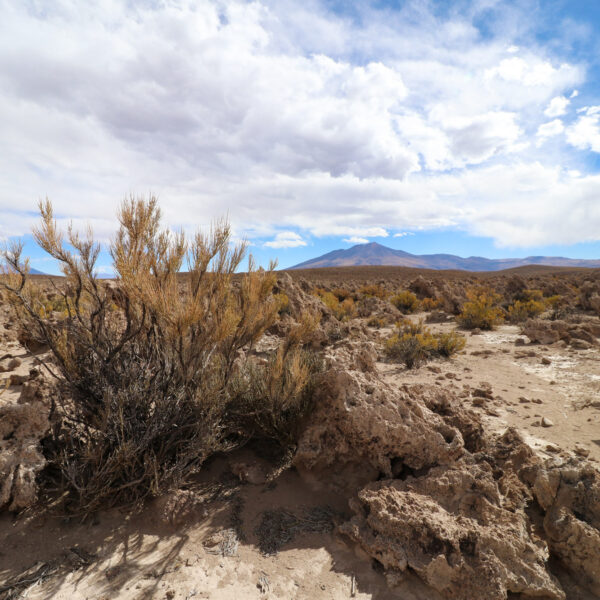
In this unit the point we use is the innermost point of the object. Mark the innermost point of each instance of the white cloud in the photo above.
(550, 129)
(286, 239)
(574, 94)
(557, 106)
(403, 234)
(286, 117)
(585, 132)
(356, 240)
(530, 71)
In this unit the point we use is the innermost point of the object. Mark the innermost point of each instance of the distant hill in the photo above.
(376, 254)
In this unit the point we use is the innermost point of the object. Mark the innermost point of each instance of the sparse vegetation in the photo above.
(377, 322)
(428, 304)
(521, 310)
(405, 301)
(374, 291)
(344, 310)
(413, 344)
(481, 310)
(151, 369)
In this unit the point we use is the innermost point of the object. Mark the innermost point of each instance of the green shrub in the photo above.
(413, 344)
(450, 343)
(481, 310)
(405, 301)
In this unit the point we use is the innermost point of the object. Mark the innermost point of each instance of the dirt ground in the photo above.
(527, 383)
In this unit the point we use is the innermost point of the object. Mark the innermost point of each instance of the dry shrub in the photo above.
(414, 344)
(341, 293)
(521, 310)
(373, 291)
(146, 365)
(429, 304)
(343, 311)
(558, 306)
(405, 301)
(377, 321)
(481, 309)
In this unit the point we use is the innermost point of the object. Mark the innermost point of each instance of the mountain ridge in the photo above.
(375, 254)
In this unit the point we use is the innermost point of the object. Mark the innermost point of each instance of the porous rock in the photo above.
(452, 529)
(361, 423)
(21, 428)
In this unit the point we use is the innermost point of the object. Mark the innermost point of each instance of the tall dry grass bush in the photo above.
(481, 310)
(149, 367)
(405, 301)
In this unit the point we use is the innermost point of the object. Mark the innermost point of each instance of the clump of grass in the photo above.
(341, 293)
(429, 304)
(343, 311)
(377, 322)
(148, 367)
(405, 301)
(481, 310)
(414, 344)
(373, 291)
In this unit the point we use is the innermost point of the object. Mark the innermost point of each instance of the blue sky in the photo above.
(469, 127)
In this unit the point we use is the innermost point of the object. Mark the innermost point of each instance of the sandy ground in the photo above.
(205, 543)
(527, 383)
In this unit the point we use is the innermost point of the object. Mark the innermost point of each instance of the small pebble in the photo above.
(546, 422)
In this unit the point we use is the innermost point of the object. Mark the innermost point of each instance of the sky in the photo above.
(470, 127)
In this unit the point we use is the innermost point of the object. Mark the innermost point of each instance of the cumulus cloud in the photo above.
(356, 240)
(584, 133)
(403, 234)
(286, 116)
(557, 106)
(286, 239)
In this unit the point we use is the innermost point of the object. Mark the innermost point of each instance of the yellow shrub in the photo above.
(428, 304)
(342, 310)
(522, 310)
(374, 290)
(405, 301)
(481, 309)
(284, 303)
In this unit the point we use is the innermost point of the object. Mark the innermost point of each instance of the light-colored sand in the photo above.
(566, 391)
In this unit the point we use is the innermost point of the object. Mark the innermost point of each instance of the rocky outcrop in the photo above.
(21, 428)
(569, 494)
(451, 528)
(364, 427)
(474, 515)
(579, 335)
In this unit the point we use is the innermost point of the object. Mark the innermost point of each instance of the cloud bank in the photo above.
(294, 120)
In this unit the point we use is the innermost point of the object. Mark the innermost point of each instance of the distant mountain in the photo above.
(36, 272)
(376, 254)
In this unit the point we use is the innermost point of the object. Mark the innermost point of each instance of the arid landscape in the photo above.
(300, 300)
(469, 476)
